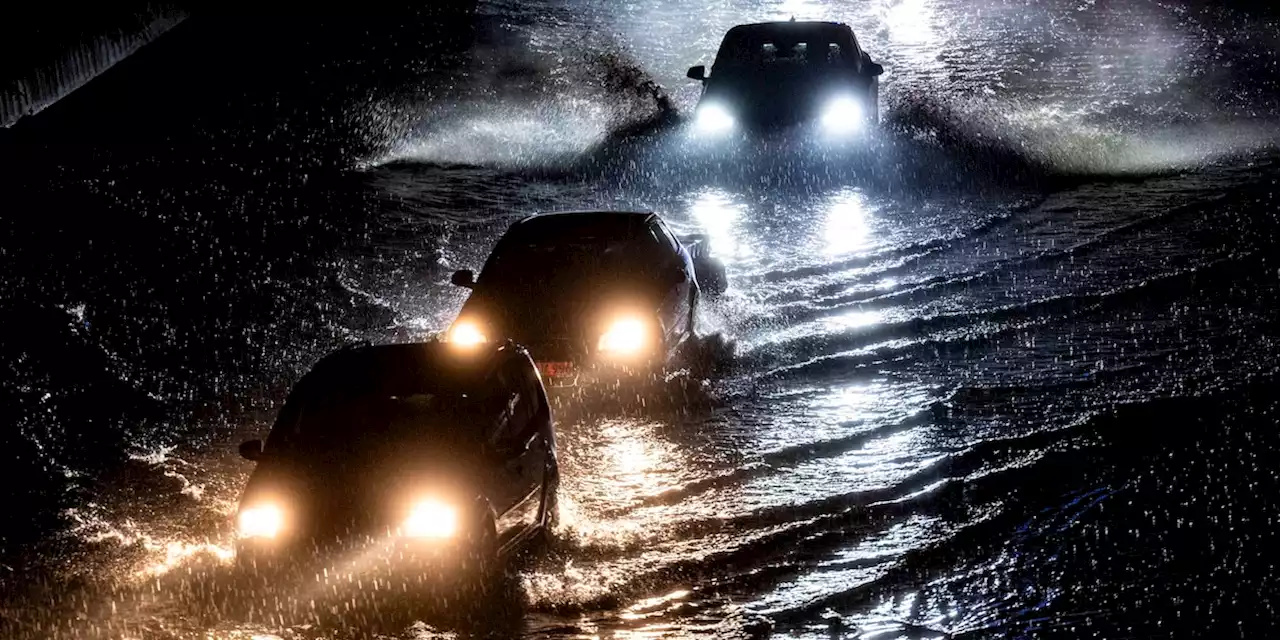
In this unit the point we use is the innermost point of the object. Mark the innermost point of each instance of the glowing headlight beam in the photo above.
(261, 522)
(431, 519)
(842, 115)
(466, 333)
(714, 119)
(625, 336)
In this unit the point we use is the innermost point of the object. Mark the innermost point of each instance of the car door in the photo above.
(520, 452)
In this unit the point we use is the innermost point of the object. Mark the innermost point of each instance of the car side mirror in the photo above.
(464, 278)
(698, 72)
(875, 69)
(251, 450)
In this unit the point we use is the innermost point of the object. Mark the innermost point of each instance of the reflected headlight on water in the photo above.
(714, 119)
(625, 336)
(466, 333)
(262, 521)
(431, 519)
(842, 115)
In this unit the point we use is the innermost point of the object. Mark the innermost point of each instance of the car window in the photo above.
(338, 424)
(533, 388)
(520, 406)
(672, 256)
(784, 51)
(665, 237)
(781, 47)
(544, 268)
(397, 392)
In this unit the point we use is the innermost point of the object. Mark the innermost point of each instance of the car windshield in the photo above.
(370, 401)
(784, 49)
(589, 255)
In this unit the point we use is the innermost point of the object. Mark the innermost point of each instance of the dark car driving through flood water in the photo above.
(781, 75)
(412, 460)
(613, 292)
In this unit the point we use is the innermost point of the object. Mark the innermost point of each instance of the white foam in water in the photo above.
(1072, 145)
(507, 134)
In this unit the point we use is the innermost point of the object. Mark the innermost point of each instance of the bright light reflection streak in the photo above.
(718, 215)
(856, 319)
(649, 606)
(850, 321)
(847, 226)
(802, 9)
(847, 573)
(635, 459)
(911, 22)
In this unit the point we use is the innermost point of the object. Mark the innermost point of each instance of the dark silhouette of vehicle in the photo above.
(613, 293)
(772, 75)
(437, 462)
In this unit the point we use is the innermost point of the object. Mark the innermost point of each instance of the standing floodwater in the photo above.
(1008, 369)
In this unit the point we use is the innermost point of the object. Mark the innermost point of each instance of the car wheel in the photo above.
(480, 568)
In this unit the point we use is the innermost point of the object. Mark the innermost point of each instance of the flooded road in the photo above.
(1008, 370)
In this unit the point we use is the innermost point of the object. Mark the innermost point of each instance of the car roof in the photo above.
(785, 26)
(586, 216)
(565, 223)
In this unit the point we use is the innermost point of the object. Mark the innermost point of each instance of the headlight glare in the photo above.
(714, 119)
(625, 336)
(842, 115)
(466, 333)
(261, 522)
(431, 519)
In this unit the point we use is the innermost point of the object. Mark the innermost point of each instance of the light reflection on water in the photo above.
(719, 215)
(911, 22)
(848, 224)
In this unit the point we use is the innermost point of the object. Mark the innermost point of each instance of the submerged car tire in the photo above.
(481, 568)
(551, 499)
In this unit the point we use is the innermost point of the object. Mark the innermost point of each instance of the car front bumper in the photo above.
(421, 561)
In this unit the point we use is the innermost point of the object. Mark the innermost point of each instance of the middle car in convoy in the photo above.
(610, 294)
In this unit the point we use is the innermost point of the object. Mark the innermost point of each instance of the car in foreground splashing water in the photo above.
(594, 295)
(411, 461)
(783, 76)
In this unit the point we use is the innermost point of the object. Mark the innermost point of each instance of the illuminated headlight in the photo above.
(261, 522)
(842, 115)
(466, 333)
(625, 336)
(714, 119)
(431, 519)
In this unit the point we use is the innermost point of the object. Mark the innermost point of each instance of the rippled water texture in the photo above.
(1009, 370)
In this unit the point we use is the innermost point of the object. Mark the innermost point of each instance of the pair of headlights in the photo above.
(429, 518)
(840, 115)
(626, 335)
